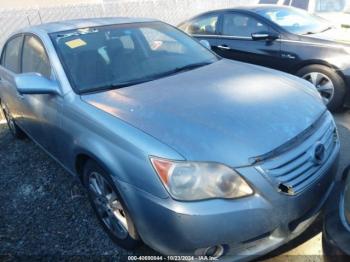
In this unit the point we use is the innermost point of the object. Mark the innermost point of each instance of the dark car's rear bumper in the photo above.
(336, 235)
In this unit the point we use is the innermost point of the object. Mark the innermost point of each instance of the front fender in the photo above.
(118, 147)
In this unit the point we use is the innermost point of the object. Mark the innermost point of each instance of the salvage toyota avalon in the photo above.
(190, 153)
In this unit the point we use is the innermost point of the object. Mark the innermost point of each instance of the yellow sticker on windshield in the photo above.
(76, 43)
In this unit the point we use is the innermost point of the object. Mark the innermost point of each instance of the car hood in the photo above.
(225, 112)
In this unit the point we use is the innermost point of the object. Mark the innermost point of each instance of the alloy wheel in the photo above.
(108, 206)
(323, 84)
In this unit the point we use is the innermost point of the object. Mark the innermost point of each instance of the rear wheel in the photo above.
(14, 129)
(109, 206)
(328, 83)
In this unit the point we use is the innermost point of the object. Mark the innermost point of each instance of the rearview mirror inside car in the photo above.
(33, 83)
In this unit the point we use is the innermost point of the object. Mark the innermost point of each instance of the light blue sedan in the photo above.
(188, 152)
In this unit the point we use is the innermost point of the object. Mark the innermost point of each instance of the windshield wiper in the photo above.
(324, 30)
(143, 80)
(190, 67)
(114, 86)
(328, 28)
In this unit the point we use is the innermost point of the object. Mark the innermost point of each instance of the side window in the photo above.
(303, 4)
(10, 59)
(241, 25)
(34, 57)
(287, 2)
(203, 25)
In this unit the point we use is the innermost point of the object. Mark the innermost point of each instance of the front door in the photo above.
(40, 111)
(236, 41)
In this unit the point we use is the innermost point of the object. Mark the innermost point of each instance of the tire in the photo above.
(331, 253)
(15, 131)
(111, 211)
(335, 100)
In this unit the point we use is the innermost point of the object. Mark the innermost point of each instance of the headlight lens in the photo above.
(199, 180)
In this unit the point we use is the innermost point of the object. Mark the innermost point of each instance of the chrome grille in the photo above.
(295, 169)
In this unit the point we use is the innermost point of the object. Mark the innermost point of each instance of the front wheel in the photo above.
(328, 83)
(109, 206)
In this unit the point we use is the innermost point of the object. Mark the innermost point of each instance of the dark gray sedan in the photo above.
(283, 38)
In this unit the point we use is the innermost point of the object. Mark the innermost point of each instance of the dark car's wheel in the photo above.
(109, 206)
(331, 253)
(14, 129)
(328, 82)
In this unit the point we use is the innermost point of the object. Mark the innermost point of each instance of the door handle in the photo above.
(289, 56)
(224, 47)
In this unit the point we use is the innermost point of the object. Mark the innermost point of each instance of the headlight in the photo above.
(199, 180)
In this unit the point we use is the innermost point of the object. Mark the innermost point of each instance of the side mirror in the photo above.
(33, 83)
(205, 43)
(263, 36)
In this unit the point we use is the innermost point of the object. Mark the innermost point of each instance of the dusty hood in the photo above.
(225, 112)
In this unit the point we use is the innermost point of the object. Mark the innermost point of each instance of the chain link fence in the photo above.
(171, 11)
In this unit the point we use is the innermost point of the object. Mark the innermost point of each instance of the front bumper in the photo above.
(246, 227)
(336, 235)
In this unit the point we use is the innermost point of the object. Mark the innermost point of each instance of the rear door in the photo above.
(10, 67)
(236, 40)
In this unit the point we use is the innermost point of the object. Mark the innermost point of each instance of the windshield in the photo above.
(109, 57)
(295, 21)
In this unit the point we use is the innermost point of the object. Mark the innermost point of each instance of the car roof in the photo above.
(66, 25)
(252, 8)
